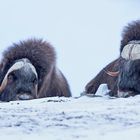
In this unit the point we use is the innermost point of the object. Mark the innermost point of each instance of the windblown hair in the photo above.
(51, 82)
(127, 82)
(130, 32)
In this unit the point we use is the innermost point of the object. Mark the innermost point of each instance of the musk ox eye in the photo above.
(10, 78)
(35, 80)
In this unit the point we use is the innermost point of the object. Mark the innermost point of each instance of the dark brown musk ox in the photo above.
(122, 76)
(28, 70)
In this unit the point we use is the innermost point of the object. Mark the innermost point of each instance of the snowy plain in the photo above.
(84, 118)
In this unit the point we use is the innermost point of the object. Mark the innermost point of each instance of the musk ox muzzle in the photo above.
(20, 82)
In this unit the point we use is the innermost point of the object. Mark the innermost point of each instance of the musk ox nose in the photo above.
(122, 94)
(25, 96)
(26, 92)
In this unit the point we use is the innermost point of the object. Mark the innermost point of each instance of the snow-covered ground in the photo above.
(84, 118)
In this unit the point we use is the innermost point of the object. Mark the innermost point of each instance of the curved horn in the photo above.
(113, 74)
(3, 85)
(16, 66)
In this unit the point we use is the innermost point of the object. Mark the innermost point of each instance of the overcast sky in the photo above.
(85, 33)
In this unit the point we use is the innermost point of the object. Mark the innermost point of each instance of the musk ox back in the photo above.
(122, 75)
(28, 70)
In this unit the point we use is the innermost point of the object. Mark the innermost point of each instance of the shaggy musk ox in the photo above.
(28, 70)
(122, 76)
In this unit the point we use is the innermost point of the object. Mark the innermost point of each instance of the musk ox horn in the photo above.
(131, 51)
(18, 65)
(112, 73)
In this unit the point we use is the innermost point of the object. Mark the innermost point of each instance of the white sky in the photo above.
(85, 33)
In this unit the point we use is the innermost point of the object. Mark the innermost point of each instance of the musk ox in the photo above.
(122, 76)
(28, 71)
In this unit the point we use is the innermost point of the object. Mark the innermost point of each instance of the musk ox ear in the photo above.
(130, 32)
(21, 63)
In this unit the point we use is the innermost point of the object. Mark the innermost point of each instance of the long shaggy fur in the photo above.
(130, 32)
(43, 57)
(128, 79)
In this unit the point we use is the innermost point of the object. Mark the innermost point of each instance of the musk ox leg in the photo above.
(108, 75)
(113, 88)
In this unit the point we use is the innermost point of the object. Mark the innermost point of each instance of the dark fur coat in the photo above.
(51, 82)
(128, 77)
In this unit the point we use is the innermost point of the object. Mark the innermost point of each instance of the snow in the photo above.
(81, 118)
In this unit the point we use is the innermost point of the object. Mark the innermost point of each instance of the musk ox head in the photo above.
(20, 81)
(129, 77)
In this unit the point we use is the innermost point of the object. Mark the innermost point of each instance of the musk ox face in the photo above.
(129, 77)
(20, 82)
